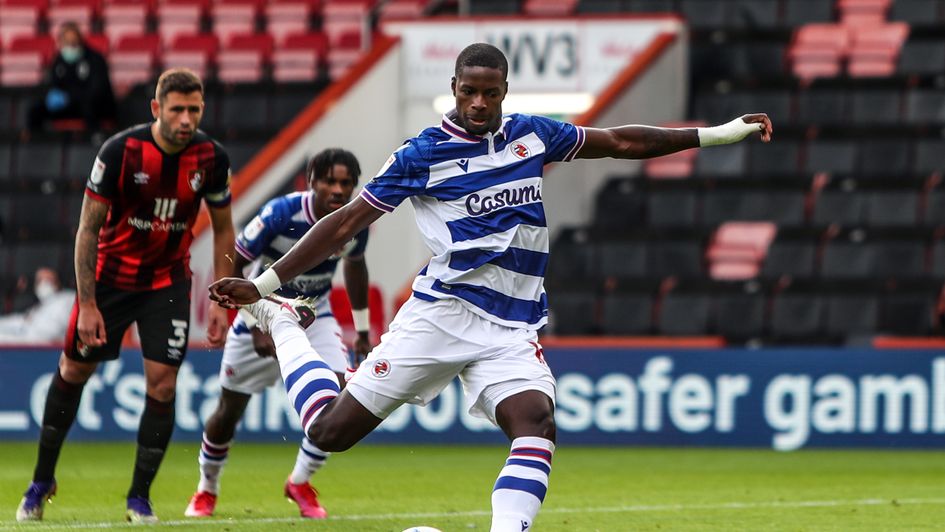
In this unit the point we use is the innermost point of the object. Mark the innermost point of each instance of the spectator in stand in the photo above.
(76, 86)
(44, 322)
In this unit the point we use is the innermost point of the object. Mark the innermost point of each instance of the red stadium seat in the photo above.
(294, 65)
(818, 49)
(80, 13)
(544, 8)
(304, 41)
(738, 249)
(44, 44)
(403, 9)
(18, 21)
(206, 43)
(124, 19)
(195, 60)
(21, 68)
(286, 18)
(856, 12)
(98, 42)
(178, 19)
(340, 17)
(875, 49)
(132, 61)
(244, 58)
(232, 18)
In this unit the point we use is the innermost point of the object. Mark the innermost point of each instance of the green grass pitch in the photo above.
(388, 488)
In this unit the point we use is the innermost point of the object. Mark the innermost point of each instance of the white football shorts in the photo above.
(430, 343)
(243, 371)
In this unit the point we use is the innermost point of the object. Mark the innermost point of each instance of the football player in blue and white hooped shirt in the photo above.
(247, 366)
(475, 183)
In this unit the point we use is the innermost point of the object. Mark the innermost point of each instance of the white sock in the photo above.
(522, 484)
(212, 459)
(309, 381)
(309, 460)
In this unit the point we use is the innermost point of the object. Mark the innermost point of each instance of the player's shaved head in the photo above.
(481, 54)
(180, 80)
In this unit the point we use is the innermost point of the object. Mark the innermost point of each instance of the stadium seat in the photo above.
(244, 58)
(782, 203)
(722, 161)
(928, 156)
(917, 12)
(38, 160)
(133, 61)
(937, 266)
(494, 7)
(818, 49)
(234, 115)
(573, 312)
(739, 310)
(673, 253)
(549, 8)
(751, 14)
(79, 12)
(799, 12)
(672, 203)
(620, 204)
(650, 6)
(403, 9)
(231, 18)
(822, 106)
(622, 259)
(852, 309)
(124, 19)
(876, 107)
(600, 6)
(797, 313)
(572, 257)
(704, 15)
(926, 106)
(30, 256)
(737, 249)
(627, 311)
(832, 156)
(178, 19)
(855, 254)
(922, 57)
(863, 12)
(287, 18)
(840, 202)
(875, 48)
(935, 207)
(18, 21)
(6, 157)
(43, 44)
(77, 161)
(909, 309)
(286, 104)
(887, 158)
(241, 151)
(684, 310)
(894, 206)
(792, 253)
(775, 159)
(21, 69)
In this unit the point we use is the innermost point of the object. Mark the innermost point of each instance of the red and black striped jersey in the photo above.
(154, 199)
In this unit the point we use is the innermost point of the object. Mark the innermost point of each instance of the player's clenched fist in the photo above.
(231, 292)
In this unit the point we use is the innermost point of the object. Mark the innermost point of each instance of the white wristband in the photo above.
(362, 319)
(267, 282)
(729, 133)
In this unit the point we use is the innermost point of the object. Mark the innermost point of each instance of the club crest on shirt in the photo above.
(381, 369)
(519, 149)
(195, 178)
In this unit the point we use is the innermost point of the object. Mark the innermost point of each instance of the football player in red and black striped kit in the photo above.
(131, 258)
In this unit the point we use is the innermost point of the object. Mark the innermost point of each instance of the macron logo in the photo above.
(464, 164)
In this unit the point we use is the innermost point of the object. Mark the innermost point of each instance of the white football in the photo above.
(422, 529)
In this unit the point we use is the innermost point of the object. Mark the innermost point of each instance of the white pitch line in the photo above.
(636, 508)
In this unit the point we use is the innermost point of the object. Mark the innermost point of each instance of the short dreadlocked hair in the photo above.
(481, 54)
(323, 161)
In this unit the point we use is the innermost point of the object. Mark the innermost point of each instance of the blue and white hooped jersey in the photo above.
(276, 228)
(479, 208)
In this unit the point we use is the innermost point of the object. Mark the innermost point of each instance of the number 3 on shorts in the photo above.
(180, 334)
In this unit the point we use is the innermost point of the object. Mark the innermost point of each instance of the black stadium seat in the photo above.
(833, 156)
(797, 313)
(822, 106)
(928, 157)
(739, 310)
(622, 258)
(793, 253)
(573, 312)
(851, 309)
(883, 157)
(876, 106)
(684, 310)
(672, 203)
(722, 161)
(619, 204)
(628, 309)
(38, 160)
(923, 57)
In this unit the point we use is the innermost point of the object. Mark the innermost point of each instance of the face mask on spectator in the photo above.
(44, 290)
(70, 54)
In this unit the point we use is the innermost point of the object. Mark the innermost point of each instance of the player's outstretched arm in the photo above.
(320, 242)
(643, 142)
